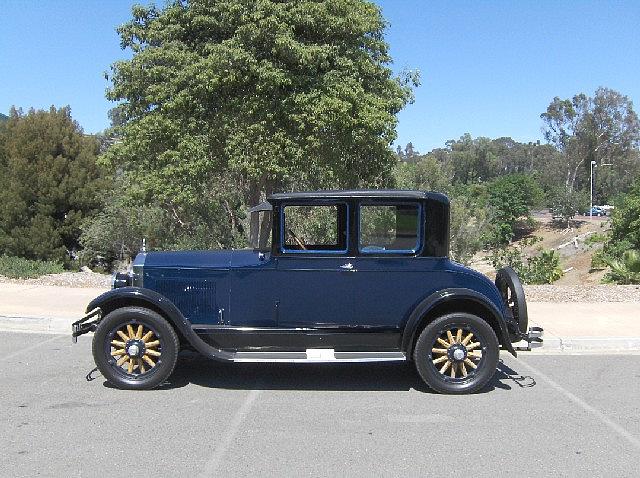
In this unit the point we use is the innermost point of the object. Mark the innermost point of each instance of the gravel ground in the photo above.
(582, 293)
(67, 279)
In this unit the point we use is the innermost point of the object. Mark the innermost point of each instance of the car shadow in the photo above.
(390, 376)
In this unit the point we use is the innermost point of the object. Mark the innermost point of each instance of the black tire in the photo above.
(165, 349)
(475, 379)
(513, 297)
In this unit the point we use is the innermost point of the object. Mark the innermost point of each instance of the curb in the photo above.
(37, 325)
(553, 345)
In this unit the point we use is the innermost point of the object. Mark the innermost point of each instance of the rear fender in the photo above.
(140, 297)
(444, 301)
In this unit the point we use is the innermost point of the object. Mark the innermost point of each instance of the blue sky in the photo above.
(488, 68)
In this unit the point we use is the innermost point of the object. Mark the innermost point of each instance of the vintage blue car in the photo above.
(333, 276)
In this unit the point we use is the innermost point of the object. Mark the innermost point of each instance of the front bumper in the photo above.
(85, 324)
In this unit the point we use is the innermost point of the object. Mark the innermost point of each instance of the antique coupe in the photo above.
(333, 276)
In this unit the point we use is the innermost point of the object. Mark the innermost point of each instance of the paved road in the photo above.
(542, 415)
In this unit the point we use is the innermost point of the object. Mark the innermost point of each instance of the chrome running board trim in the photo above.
(319, 356)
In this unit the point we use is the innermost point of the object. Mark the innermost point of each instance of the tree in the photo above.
(604, 129)
(565, 204)
(226, 101)
(49, 183)
(510, 199)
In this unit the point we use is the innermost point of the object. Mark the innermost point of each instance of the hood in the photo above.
(186, 259)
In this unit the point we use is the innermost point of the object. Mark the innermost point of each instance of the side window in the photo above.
(389, 228)
(315, 228)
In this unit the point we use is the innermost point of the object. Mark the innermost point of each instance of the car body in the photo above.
(333, 276)
(595, 211)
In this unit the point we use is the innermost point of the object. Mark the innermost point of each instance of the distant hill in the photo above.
(3, 117)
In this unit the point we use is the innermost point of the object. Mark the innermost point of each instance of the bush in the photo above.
(626, 270)
(19, 268)
(543, 268)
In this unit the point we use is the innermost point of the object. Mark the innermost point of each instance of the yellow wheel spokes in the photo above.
(142, 363)
(456, 368)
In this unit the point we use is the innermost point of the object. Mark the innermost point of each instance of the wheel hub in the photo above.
(457, 353)
(135, 348)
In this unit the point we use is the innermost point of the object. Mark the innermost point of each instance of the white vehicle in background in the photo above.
(607, 209)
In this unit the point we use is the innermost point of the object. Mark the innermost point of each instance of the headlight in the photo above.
(121, 279)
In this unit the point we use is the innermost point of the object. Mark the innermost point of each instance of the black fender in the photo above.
(138, 296)
(450, 296)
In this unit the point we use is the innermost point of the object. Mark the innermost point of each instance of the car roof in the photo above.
(361, 193)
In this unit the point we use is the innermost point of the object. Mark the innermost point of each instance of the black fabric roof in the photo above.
(361, 193)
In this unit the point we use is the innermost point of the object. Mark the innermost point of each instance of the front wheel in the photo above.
(457, 353)
(135, 348)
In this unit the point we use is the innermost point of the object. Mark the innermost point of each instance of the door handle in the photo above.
(347, 267)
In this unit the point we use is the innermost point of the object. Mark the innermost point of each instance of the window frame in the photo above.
(394, 252)
(330, 252)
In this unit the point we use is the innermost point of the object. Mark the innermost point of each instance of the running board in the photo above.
(319, 356)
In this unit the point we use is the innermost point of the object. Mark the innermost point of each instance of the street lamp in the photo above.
(594, 165)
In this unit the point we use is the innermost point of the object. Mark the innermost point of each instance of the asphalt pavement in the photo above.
(542, 415)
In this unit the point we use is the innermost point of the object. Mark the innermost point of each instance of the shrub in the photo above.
(543, 268)
(626, 270)
(19, 268)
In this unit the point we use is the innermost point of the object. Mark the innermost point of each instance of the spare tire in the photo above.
(510, 287)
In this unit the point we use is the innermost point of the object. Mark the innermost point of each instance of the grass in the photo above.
(19, 268)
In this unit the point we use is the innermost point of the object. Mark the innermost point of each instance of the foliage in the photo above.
(543, 268)
(595, 238)
(20, 268)
(49, 184)
(468, 229)
(625, 270)
(565, 204)
(603, 128)
(625, 223)
(224, 102)
(117, 231)
(510, 199)
(469, 221)
(424, 173)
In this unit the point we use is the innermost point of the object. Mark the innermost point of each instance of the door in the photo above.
(391, 278)
(314, 269)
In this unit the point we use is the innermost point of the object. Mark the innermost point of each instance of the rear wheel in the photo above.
(135, 348)
(457, 353)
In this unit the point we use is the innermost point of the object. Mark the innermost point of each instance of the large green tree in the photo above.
(225, 101)
(49, 183)
(603, 128)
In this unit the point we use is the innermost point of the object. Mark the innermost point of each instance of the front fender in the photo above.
(449, 297)
(138, 296)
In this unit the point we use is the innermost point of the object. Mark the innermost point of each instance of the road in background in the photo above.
(542, 415)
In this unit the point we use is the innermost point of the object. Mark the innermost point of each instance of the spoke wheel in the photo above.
(135, 348)
(457, 353)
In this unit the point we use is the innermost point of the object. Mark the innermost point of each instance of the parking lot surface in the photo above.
(542, 415)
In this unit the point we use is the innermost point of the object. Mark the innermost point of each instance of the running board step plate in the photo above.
(319, 356)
